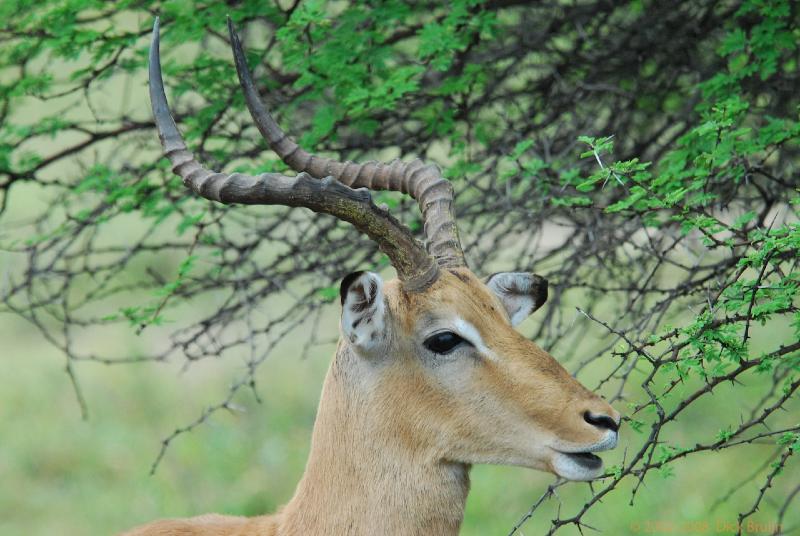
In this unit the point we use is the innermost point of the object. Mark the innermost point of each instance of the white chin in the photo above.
(582, 466)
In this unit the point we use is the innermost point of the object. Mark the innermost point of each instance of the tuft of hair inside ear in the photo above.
(363, 310)
(521, 293)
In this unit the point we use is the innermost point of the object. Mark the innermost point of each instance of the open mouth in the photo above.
(573, 464)
(586, 460)
(577, 465)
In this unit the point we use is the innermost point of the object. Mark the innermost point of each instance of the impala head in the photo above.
(455, 380)
(435, 349)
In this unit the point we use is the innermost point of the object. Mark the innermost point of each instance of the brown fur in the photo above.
(395, 436)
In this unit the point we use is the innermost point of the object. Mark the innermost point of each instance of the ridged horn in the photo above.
(425, 183)
(415, 267)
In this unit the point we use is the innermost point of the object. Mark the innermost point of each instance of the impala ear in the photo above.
(363, 310)
(520, 292)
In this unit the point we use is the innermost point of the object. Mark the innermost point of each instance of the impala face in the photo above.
(457, 381)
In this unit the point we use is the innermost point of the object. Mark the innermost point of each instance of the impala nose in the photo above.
(602, 421)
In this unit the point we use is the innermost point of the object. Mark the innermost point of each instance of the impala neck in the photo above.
(361, 478)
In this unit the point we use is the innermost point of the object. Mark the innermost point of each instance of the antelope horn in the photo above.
(425, 183)
(415, 267)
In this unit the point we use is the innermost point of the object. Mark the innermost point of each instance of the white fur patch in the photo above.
(471, 334)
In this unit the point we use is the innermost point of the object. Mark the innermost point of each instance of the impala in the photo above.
(429, 377)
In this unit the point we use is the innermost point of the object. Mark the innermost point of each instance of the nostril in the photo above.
(601, 421)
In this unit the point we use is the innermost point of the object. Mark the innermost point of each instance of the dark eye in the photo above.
(443, 343)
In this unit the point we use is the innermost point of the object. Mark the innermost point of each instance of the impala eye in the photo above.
(443, 342)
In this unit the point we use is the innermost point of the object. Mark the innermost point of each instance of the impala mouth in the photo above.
(591, 462)
(581, 462)
(577, 465)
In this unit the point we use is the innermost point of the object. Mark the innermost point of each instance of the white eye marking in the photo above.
(470, 333)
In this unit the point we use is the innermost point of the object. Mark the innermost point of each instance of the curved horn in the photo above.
(415, 267)
(425, 183)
